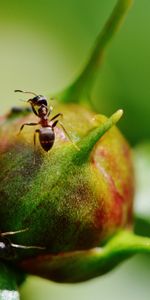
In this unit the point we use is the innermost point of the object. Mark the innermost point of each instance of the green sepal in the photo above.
(89, 141)
(80, 266)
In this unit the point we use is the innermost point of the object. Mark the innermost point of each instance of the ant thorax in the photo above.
(42, 111)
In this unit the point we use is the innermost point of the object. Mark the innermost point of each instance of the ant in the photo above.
(46, 132)
(7, 247)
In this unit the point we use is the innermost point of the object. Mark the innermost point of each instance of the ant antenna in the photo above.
(25, 92)
(22, 100)
(13, 232)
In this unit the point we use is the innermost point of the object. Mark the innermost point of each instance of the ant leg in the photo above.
(60, 114)
(20, 246)
(55, 123)
(34, 110)
(29, 124)
(27, 247)
(66, 133)
(49, 110)
(13, 232)
(35, 132)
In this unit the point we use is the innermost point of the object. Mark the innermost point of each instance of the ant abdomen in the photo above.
(46, 137)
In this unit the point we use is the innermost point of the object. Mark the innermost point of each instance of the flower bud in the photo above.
(73, 197)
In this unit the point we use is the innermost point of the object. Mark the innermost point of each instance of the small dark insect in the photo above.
(46, 132)
(7, 248)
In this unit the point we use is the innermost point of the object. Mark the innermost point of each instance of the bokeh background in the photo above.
(44, 44)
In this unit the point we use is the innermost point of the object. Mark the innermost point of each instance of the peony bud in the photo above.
(69, 198)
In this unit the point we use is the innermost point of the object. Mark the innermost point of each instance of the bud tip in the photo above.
(117, 116)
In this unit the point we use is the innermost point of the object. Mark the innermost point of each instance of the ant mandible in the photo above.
(7, 250)
(46, 132)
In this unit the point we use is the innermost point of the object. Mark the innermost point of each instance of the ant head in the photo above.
(38, 100)
(34, 100)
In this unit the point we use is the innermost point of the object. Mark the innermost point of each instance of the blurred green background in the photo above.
(44, 46)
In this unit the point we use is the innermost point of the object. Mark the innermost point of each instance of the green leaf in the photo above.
(82, 86)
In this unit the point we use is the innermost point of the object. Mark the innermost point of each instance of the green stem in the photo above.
(8, 286)
(78, 90)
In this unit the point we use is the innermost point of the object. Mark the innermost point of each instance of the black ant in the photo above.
(46, 132)
(7, 250)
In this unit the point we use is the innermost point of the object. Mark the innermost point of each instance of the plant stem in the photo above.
(8, 285)
(82, 86)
